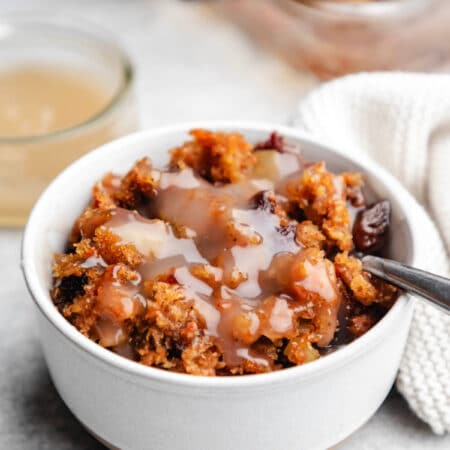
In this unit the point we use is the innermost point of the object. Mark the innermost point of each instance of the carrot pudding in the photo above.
(234, 259)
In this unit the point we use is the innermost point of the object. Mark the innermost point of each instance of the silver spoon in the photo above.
(434, 288)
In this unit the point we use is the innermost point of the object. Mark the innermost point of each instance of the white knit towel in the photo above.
(403, 122)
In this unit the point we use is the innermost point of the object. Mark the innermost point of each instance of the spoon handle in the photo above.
(431, 287)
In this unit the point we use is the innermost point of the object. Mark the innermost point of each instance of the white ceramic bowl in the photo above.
(131, 406)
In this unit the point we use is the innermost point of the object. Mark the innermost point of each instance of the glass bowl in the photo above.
(333, 38)
(29, 162)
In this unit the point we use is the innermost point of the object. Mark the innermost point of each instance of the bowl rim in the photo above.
(371, 11)
(336, 359)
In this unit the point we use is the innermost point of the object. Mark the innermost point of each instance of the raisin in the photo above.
(275, 142)
(295, 212)
(264, 200)
(70, 248)
(371, 227)
(175, 350)
(70, 287)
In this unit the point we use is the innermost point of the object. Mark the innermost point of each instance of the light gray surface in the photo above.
(191, 66)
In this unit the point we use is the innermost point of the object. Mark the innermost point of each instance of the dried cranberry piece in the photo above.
(71, 287)
(371, 227)
(275, 142)
(264, 200)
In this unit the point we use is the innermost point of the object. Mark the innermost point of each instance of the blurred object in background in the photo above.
(336, 37)
(65, 88)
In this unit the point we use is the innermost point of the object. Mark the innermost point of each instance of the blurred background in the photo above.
(158, 62)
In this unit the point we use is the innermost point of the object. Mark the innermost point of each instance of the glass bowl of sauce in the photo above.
(335, 37)
(65, 88)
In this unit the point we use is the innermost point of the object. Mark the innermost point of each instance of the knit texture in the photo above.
(403, 122)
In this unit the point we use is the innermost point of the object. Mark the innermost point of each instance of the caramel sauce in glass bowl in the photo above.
(65, 88)
(38, 100)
